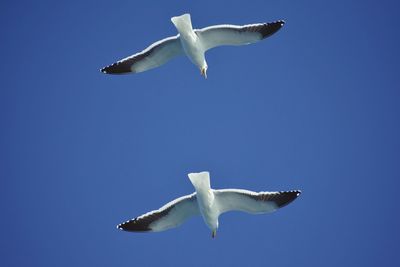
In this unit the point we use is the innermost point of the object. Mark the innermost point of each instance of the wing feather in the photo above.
(218, 35)
(253, 202)
(168, 216)
(153, 56)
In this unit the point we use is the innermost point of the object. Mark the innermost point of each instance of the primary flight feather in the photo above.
(208, 203)
(193, 43)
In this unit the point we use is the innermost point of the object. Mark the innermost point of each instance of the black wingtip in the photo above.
(286, 197)
(271, 28)
(133, 226)
(117, 68)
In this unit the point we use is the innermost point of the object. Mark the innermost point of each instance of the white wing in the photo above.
(236, 35)
(170, 215)
(153, 56)
(252, 202)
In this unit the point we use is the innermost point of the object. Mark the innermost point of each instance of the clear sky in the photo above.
(314, 107)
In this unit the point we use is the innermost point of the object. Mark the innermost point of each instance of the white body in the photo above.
(205, 198)
(190, 42)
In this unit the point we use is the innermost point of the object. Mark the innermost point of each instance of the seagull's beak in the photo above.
(214, 233)
(204, 72)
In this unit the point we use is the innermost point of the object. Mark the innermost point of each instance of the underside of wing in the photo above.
(236, 35)
(169, 216)
(155, 55)
(253, 202)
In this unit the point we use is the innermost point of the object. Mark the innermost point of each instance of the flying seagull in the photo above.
(209, 203)
(193, 43)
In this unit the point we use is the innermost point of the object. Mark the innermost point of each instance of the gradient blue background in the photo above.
(315, 107)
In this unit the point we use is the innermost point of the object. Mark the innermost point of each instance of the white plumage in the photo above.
(210, 204)
(193, 43)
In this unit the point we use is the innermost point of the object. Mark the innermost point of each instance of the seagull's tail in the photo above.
(182, 23)
(200, 181)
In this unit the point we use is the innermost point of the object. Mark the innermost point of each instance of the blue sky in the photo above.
(315, 107)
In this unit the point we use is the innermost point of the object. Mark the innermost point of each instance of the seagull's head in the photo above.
(203, 71)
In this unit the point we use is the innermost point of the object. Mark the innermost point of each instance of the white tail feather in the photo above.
(182, 23)
(200, 181)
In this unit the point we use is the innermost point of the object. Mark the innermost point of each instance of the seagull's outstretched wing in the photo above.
(236, 35)
(170, 215)
(252, 202)
(153, 56)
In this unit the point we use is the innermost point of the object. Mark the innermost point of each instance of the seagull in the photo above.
(193, 43)
(210, 204)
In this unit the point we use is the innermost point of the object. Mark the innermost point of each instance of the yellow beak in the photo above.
(204, 72)
(214, 233)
